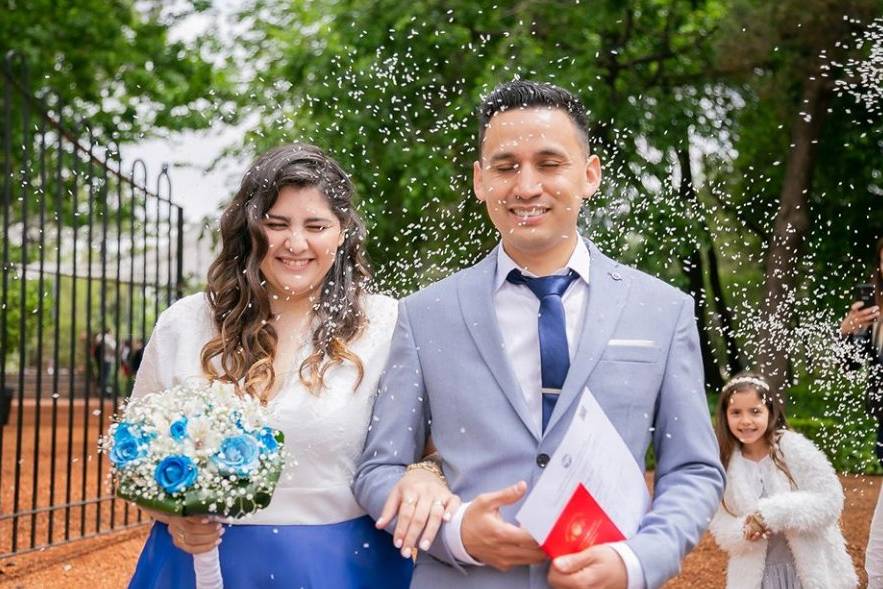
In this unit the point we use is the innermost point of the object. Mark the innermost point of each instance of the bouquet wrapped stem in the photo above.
(207, 567)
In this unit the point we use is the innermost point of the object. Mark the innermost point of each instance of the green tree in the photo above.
(113, 63)
(391, 88)
(109, 73)
(809, 156)
(693, 105)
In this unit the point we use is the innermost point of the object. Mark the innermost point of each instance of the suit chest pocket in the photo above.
(631, 351)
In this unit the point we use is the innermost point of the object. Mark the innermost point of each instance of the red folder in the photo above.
(581, 524)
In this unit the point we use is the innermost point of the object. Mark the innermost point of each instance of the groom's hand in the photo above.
(492, 541)
(598, 567)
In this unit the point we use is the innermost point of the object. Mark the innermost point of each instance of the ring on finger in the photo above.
(409, 501)
(438, 503)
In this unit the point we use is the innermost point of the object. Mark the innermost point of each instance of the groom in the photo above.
(490, 363)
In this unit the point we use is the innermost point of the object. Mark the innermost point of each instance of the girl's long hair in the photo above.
(728, 443)
(245, 344)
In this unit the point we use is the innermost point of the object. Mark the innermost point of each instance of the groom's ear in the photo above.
(593, 176)
(476, 180)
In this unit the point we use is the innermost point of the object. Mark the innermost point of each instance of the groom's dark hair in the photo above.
(530, 94)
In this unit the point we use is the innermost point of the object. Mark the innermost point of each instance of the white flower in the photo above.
(205, 437)
(194, 407)
(252, 417)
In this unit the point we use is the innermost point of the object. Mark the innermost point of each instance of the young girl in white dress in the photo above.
(779, 520)
(287, 317)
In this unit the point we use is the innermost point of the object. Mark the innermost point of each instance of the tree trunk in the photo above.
(789, 230)
(695, 274)
(713, 380)
(734, 360)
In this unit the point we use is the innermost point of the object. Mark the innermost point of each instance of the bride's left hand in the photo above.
(422, 501)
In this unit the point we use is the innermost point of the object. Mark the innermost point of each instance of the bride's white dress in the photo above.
(313, 526)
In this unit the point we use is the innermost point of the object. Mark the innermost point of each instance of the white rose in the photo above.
(204, 436)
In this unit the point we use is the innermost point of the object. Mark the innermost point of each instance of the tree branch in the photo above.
(749, 223)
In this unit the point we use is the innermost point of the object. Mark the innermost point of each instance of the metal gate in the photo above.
(90, 257)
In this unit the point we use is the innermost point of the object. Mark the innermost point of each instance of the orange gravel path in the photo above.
(108, 561)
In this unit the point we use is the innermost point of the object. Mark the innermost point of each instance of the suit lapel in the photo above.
(476, 294)
(608, 291)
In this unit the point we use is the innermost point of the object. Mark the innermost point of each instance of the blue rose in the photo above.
(175, 473)
(237, 455)
(267, 438)
(128, 445)
(125, 450)
(178, 429)
(126, 430)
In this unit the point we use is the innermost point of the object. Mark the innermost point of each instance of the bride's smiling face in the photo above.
(303, 235)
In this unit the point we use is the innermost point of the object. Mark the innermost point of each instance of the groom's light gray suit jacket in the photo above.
(448, 376)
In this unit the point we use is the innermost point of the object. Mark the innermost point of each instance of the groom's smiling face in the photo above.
(533, 176)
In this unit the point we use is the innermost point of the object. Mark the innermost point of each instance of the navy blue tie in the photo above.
(554, 354)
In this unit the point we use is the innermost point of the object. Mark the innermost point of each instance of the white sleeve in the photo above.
(633, 568)
(818, 500)
(155, 372)
(454, 539)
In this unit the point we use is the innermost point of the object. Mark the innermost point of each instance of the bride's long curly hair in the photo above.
(236, 291)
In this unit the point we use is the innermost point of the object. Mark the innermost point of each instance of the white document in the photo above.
(592, 453)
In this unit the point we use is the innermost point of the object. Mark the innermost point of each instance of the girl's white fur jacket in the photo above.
(808, 516)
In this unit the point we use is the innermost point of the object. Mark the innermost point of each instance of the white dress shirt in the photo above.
(513, 303)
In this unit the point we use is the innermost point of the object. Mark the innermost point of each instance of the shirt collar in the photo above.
(579, 262)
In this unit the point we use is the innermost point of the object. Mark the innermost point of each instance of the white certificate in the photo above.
(592, 491)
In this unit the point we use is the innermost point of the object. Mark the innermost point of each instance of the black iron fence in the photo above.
(90, 257)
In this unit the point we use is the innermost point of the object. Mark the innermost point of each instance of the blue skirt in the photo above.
(348, 555)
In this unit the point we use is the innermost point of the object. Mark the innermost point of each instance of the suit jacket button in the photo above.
(542, 460)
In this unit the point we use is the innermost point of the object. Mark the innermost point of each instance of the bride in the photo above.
(287, 317)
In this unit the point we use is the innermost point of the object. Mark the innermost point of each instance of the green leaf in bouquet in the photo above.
(198, 503)
(260, 497)
(167, 505)
(273, 475)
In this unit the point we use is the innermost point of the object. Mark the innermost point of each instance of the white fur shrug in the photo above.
(808, 516)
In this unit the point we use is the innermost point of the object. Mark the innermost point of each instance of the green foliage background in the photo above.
(390, 88)
(708, 88)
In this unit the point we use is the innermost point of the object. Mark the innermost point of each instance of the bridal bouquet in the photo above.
(196, 449)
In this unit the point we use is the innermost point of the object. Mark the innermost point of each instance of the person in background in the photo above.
(130, 361)
(135, 356)
(125, 352)
(779, 519)
(862, 331)
(104, 351)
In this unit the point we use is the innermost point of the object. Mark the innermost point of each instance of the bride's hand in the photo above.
(195, 534)
(422, 500)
